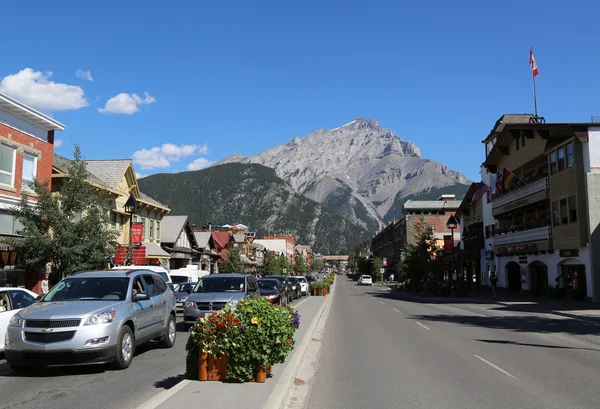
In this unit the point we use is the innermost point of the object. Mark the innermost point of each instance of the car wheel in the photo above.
(168, 339)
(125, 348)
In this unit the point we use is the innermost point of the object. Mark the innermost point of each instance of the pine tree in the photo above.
(233, 263)
(300, 267)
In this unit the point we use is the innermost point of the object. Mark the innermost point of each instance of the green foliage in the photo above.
(277, 264)
(364, 266)
(67, 231)
(318, 265)
(418, 259)
(376, 267)
(319, 285)
(253, 195)
(233, 263)
(300, 266)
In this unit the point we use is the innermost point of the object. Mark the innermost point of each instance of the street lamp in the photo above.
(452, 224)
(131, 207)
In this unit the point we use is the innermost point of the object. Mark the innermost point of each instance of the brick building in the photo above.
(26, 150)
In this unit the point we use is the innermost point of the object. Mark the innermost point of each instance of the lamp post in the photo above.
(452, 224)
(131, 207)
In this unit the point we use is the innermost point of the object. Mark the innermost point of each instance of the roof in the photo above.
(144, 197)
(239, 238)
(431, 204)
(171, 227)
(221, 238)
(29, 114)
(110, 171)
(153, 250)
(508, 119)
(203, 238)
(64, 165)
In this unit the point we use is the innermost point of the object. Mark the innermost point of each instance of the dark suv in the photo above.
(287, 286)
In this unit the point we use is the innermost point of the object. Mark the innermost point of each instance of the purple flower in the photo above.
(296, 320)
(242, 326)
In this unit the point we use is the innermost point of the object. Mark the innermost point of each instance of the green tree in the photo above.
(233, 263)
(376, 267)
(300, 267)
(67, 231)
(273, 265)
(318, 265)
(417, 264)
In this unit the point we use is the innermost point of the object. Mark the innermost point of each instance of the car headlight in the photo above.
(181, 299)
(190, 304)
(272, 296)
(103, 317)
(233, 304)
(16, 321)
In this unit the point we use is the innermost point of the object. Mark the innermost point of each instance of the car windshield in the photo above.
(183, 287)
(220, 284)
(179, 279)
(267, 284)
(89, 289)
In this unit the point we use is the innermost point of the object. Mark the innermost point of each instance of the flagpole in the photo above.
(533, 79)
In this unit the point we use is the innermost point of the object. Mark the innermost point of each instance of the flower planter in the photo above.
(324, 292)
(261, 374)
(315, 292)
(211, 368)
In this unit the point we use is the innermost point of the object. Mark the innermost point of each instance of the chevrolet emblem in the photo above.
(47, 330)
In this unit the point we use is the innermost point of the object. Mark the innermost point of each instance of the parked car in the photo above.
(310, 278)
(12, 300)
(365, 280)
(296, 287)
(287, 285)
(92, 318)
(214, 292)
(182, 292)
(269, 288)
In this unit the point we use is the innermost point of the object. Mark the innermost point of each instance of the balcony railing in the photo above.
(516, 194)
(535, 234)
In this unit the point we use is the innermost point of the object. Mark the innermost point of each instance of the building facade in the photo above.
(26, 149)
(179, 241)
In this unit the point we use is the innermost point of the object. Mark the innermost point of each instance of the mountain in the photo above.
(254, 195)
(360, 171)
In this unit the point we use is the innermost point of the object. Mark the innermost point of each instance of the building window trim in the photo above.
(14, 165)
(25, 183)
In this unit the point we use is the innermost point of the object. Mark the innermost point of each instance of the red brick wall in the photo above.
(44, 163)
(437, 221)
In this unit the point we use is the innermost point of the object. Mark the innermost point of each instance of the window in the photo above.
(29, 170)
(7, 165)
(569, 149)
(157, 231)
(572, 209)
(143, 227)
(20, 299)
(113, 220)
(553, 162)
(555, 214)
(564, 214)
(561, 158)
(8, 224)
(121, 221)
(151, 288)
(151, 229)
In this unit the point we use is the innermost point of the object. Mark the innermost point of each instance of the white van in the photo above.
(189, 274)
(161, 271)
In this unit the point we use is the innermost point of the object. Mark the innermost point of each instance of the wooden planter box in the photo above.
(211, 368)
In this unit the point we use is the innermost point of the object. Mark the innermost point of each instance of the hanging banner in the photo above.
(136, 233)
(447, 243)
(385, 262)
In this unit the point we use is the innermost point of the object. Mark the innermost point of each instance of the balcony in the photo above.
(501, 202)
(523, 236)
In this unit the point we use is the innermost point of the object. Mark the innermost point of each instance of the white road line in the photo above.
(300, 303)
(395, 310)
(382, 302)
(161, 397)
(496, 367)
(427, 328)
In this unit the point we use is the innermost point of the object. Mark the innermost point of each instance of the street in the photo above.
(98, 387)
(384, 352)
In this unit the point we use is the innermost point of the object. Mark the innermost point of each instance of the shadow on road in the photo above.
(505, 342)
(169, 382)
(518, 324)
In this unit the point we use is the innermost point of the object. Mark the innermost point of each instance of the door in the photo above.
(144, 309)
(159, 311)
(252, 285)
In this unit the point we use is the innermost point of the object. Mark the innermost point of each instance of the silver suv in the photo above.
(92, 318)
(213, 292)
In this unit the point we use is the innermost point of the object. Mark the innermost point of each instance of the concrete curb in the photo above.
(283, 390)
(162, 397)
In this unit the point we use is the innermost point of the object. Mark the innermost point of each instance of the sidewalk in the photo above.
(584, 310)
(219, 395)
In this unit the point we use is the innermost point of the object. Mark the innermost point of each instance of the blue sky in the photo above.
(199, 81)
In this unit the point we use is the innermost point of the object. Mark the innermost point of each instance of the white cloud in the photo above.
(85, 75)
(139, 175)
(35, 89)
(124, 103)
(162, 156)
(58, 143)
(199, 163)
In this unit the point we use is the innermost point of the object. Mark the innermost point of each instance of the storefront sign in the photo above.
(136, 233)
(447, 243)
(514, 205)
(531, 247)
(569, 253)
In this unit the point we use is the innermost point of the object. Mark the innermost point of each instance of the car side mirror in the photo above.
(140, 297)
(39, 297)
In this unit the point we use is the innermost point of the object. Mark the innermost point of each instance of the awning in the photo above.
(155, 251)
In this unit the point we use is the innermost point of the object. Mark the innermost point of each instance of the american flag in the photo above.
(482, 188)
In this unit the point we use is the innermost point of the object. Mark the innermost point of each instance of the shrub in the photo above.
(319, 285)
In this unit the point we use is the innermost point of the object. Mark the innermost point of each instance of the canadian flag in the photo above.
(534, 67)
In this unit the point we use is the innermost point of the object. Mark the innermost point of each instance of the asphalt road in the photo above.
(387, 353)
(97, 387)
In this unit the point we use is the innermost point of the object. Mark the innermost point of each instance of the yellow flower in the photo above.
(254, 320)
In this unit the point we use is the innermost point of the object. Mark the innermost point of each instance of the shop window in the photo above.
(553, 166)
(7, 165)
(28, 172)
(564, 214)
(569, 149)
(555, 214)
(561, 158)
(572, 209)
